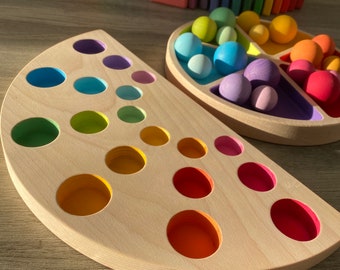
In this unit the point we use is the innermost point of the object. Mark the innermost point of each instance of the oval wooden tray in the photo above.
(128, 170)
(296, 120)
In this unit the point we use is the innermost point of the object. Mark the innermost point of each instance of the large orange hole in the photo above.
(194, 234)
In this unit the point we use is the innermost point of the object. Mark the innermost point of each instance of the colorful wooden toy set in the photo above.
(130, 171)
(262, 78)
(263, 7)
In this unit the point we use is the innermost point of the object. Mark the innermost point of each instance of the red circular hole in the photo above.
(193, 182)
(256, 176)
(295, 219)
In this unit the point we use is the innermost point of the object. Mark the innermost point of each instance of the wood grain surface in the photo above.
(29, 27)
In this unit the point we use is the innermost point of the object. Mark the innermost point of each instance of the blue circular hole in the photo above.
(129, 92)
(46, 77)
(90, 85)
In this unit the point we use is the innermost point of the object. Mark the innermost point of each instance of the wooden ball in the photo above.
(299, 70)
(283, 29)
(309, 50)
(205, 28)
(331, 62)
(264, 98)
(259, 33)
(326, 43)
(187, 45)
(199, 66)
(223, 16)
(247, 19)
(235, 88)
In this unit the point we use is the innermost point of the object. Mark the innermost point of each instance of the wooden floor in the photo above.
(29, 27)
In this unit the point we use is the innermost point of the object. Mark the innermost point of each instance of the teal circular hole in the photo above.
(46, 77)
(129, 92)
(34, 132)
(90, 85)
(131, 114)
(89, 122)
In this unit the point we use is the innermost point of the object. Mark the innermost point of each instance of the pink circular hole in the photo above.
(229, 146)
(295, 219)
(193, 182)
(256, 176)
(143, 77)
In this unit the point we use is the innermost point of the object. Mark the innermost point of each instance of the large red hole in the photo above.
(295, 219)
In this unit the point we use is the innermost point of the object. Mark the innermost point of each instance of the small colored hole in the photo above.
(131, 114)
(295, 219)
(192, 147)
(90, 85)
(143, 77)
(194, 234)
(89, 122)
(229, 146)
(89, 46)
(84, 194)
(34, 132)
(256, 176)
(46, 77)
(129, 92)
(117, 62)
(155, 136)
(193, 182)
(125, 159)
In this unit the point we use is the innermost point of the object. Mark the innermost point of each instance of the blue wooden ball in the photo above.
(187, 45)
(199, 66)
(230, 57)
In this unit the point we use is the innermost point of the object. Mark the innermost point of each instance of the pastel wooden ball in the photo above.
(262, 71)
(323, 87)
(235, 88)
(331, 62)
(259, 33)
(283, 29)
(230, 57)
(199, 66)
(226, 33)
(187, 45)
(309, 50)
(299, 70)
(264, 98)
(247, 19)
(205, 28)
(223, 16)
(326, 43)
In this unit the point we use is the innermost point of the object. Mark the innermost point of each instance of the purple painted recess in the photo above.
(89, 46)
(291, 104)
(117, 62)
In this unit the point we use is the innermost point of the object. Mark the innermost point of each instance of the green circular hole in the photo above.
(131, 114)
(90, 85)
(34, 132)
(129, 92)
(89, 122)
(46, 77)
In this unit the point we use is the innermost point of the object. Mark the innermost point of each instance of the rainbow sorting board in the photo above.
(296, 119)
(125, 168)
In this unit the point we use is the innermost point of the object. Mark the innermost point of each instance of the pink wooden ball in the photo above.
(264, 98)
(323, 87)
(299, 70)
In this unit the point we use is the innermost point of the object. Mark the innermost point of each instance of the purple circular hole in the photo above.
(229, 146)
(117, 62)
(89, 46)
(144, 77)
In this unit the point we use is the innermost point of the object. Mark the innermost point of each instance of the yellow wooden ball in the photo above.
(247, 19)
(283, 29)
(259, 33)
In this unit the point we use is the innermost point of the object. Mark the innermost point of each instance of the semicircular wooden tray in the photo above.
(295, 120)
(131, 172)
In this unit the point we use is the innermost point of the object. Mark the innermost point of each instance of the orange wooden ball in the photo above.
(326, 43)
(309, 50)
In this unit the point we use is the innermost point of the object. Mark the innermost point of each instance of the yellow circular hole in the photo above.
(125, 159)
(84, 194)
(192, 147)
(155, 136)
